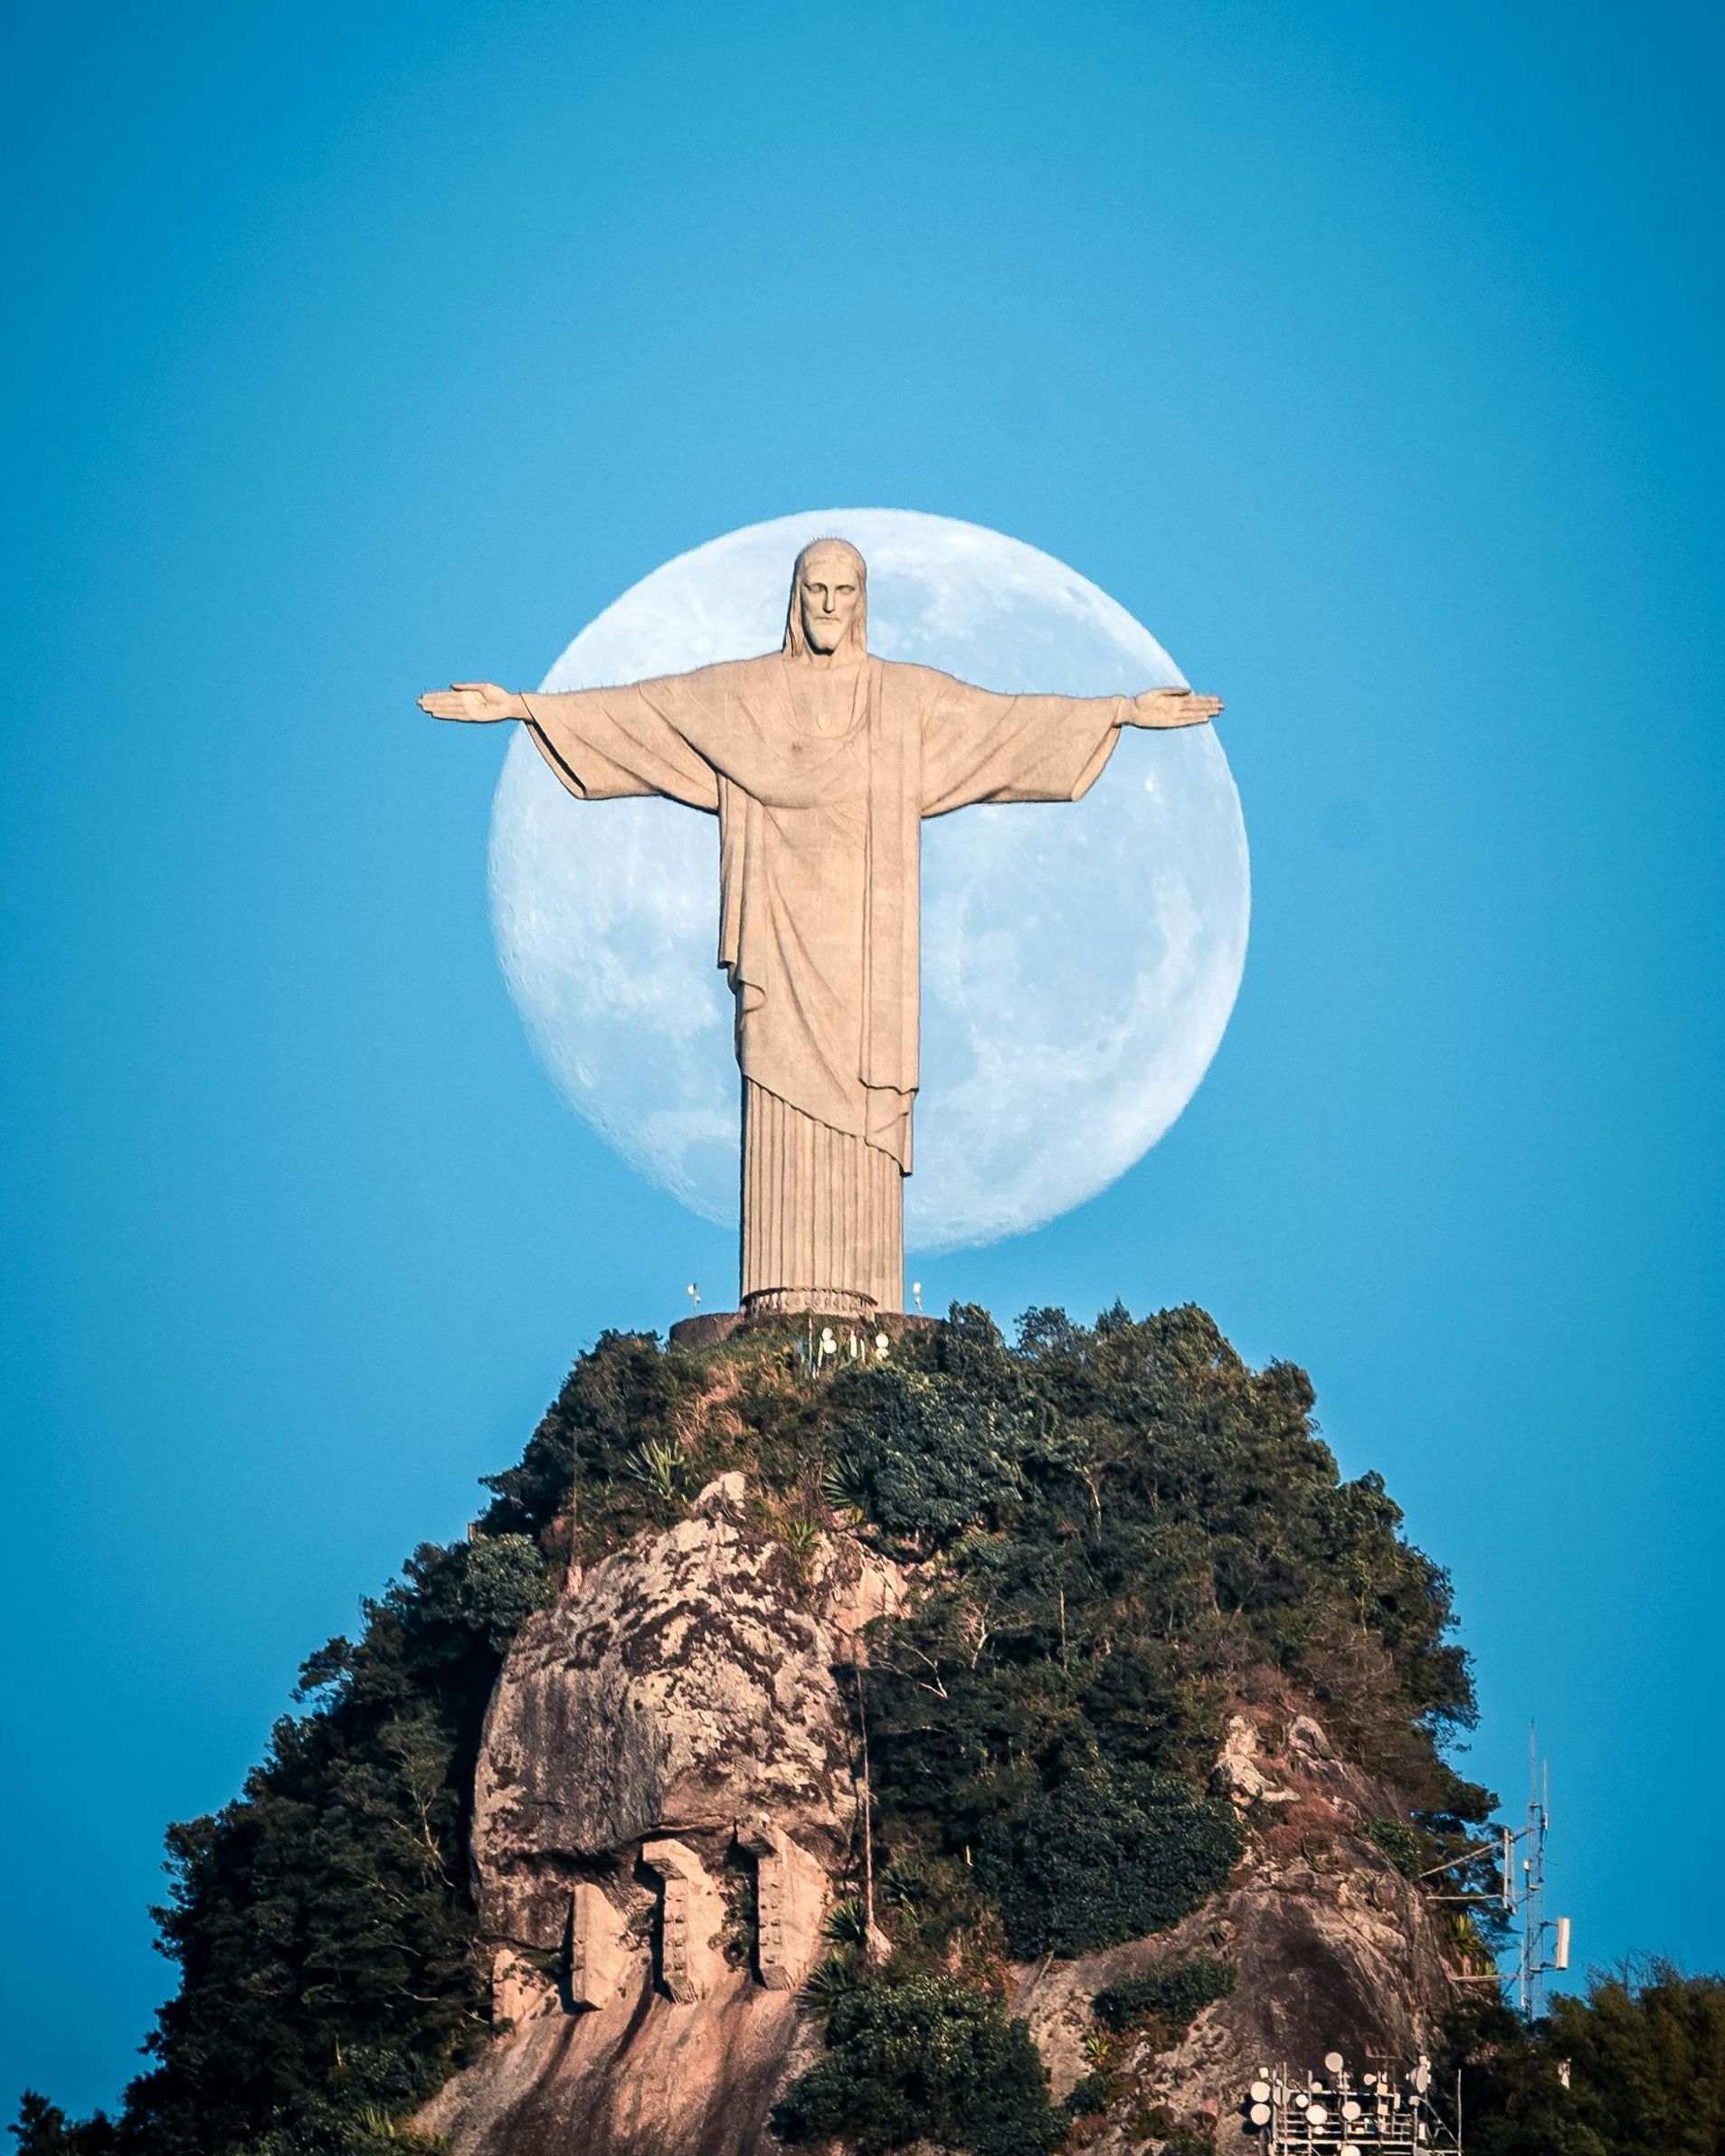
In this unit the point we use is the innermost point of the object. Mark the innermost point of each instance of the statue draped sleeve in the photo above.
(977, 746)
(606, 745)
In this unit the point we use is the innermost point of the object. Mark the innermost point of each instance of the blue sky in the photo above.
(1368, 352)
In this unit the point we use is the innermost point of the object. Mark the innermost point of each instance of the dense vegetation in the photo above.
(1120, 1531)
(1636, 2067)
(924, 2057)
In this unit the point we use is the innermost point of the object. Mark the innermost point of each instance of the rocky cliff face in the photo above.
(665, 1791)
(668, 1790)
(1334, 1950)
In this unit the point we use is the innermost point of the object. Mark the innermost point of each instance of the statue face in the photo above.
(828, 594)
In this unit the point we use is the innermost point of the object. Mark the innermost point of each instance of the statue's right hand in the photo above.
(478, 703)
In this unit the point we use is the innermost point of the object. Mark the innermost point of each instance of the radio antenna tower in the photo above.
(1542, 1948)
(1545, 1941)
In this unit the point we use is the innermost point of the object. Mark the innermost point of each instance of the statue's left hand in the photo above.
(478, 703)
(1173, 707)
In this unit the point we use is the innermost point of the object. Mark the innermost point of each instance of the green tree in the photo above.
(929, 2059)
(42, 2129)
(1106, 1856)
(1634, 2067)
(321, 1922)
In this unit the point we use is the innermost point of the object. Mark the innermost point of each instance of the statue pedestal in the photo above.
(707, 1328)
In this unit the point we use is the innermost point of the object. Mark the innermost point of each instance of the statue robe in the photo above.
(819, 903)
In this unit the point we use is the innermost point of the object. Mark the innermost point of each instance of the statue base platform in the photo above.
(707, 1328)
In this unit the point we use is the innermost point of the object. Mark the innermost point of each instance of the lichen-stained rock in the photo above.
(676, 1723)
(1237, 1774)
(1332, 1950)
(1348, 1963)
(676, 1685)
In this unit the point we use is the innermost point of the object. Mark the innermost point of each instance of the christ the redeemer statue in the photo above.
(821, 763)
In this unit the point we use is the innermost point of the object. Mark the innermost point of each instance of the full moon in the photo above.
(1080, 961)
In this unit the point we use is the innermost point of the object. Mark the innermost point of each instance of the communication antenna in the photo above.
(1545, 1941)
(694, 1293)
(1336, 2112)
(1542, 1948)
(917, 1296)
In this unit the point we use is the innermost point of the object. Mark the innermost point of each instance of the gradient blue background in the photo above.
(1370, 354)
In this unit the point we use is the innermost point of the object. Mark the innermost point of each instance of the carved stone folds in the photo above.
(691, 1920)
(597, 1950)
(790, 1899)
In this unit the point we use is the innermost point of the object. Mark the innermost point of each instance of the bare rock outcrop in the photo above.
(1344, 1960)
(675, 1687)
(1333, 1948)
(666, 1787)
(666, 1795)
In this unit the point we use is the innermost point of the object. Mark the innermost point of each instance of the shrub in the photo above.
(1104, 1856)
(1175, 1996)
(924, 1459)
(925, 2058)
(1401, 1843)
(1089, 2095)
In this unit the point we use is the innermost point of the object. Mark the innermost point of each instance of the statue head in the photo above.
(828, 612)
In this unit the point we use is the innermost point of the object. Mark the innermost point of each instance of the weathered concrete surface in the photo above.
(791, 1900)
(691, 1921)
(600, 1958)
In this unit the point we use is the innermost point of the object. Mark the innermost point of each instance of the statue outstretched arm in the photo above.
(604, 745)
(478, 703)
(1171, 707)
(978, 746)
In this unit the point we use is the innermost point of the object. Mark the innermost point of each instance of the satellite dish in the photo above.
(1421, 2075)
(1259, 2114)
(1350, 2110)
(1260, 2092)
(1318, 2114)
(1334, 2062)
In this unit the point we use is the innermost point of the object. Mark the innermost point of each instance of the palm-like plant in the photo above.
(828, 1981)
(846, 1489)
(657, 1464)
(848, 1922)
